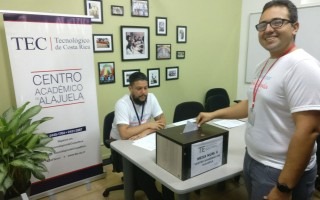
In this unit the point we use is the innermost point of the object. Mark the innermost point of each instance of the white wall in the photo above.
(249, 6)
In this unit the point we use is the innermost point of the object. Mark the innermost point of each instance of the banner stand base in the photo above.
(66, 187)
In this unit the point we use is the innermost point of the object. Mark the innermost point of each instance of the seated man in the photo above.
(133, 120)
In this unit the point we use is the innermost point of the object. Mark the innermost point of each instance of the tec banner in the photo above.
(52, 65)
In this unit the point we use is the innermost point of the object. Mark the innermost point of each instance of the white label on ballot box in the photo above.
(206, 155)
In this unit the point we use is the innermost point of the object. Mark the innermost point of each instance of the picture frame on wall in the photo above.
(180, 54)
(181, 34)
(161, 26)
(117, 10)
(163, 51)
(172, 73)
(135, 43)
(126, 74)
(102, 43)
(139, 8)
(153, 77)
(94, 9)
(106, 72)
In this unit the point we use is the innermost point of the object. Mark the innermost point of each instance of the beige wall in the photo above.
(212, 48)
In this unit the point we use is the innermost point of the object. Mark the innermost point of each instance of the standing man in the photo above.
(283, 110)
(133, 120)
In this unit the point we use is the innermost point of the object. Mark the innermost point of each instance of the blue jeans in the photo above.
(260, 179)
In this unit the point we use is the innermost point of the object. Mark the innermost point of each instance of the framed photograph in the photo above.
(172, 73)
(117, 10)
(106, 72)
(161, 26)
(126, 74)
(102, 43)
(139, 8)
(181, 34)
(135, 43)
(94, 9)
(180, 54)
(163, 51)
(153, 77)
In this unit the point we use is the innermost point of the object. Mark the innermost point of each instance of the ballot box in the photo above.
(189, 154)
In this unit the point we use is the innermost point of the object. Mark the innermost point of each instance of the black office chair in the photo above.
(215, 99)
(187, 110)
(115, 157)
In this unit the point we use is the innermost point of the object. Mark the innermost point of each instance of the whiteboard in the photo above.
(308, 38)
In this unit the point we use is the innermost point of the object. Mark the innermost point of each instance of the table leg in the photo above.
(183, 196)
(128, 179)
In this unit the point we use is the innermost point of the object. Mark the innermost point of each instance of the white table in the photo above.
(144, 159)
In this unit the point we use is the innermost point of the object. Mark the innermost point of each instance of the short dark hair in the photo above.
(137, 76)
(293, 12)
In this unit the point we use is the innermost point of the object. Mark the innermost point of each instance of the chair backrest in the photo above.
(216, 98)
(187, 110)
(107, 126)
(115, 157)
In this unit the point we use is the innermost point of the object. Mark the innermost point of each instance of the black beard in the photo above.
(138, 101)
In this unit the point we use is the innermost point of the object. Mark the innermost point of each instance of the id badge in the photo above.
(251, 117)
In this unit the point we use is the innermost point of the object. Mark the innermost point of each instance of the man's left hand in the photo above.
(275, 194)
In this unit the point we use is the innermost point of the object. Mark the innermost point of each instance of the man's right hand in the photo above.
(156, 125)
(203, 117)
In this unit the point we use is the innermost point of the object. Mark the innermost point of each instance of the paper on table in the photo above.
(148, 142)
(229, 123)
(190, 126)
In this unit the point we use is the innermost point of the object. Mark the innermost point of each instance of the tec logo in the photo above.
(202, 149)
(30, 43)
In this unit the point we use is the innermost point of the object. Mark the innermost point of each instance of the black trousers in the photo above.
(146, 183)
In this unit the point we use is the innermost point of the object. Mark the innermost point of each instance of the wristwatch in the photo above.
(283, 188)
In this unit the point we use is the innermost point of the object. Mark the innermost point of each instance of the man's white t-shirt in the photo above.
(125, 113)
(292, 85)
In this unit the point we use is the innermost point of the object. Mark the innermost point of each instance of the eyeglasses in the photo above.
(275, 24)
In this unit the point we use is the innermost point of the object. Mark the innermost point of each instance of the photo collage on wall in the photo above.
(135, 42)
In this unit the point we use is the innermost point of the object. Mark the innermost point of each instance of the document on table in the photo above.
(148, 142)
(229, 123)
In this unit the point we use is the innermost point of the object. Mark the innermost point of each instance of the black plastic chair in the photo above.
(187, 110)
(215, 99)
(115, 157)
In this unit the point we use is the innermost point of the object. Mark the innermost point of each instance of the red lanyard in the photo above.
(258, 83)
